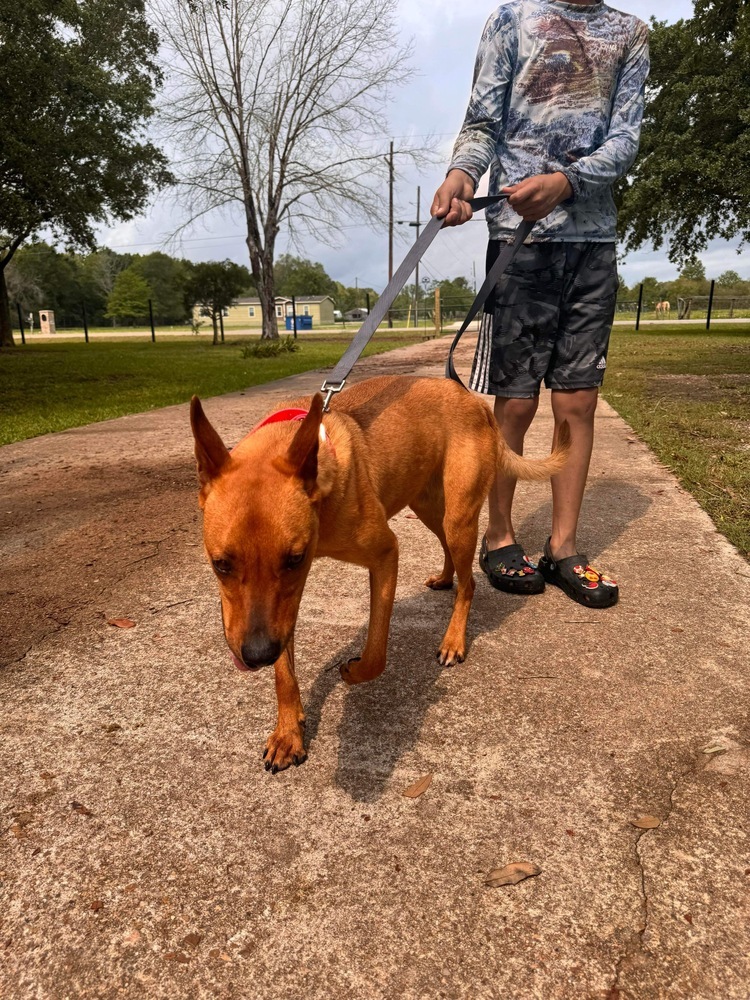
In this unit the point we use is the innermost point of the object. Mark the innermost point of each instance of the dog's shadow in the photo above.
(382, 720)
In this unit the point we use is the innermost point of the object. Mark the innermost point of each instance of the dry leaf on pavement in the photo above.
(512, 874)
(646, 822)
(713, 748)
(121, 622)
(415, 790)
(80, 808)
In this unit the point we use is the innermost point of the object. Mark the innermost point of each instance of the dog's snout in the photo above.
(260, 650)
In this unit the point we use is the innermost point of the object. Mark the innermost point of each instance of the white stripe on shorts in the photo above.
(480, 371)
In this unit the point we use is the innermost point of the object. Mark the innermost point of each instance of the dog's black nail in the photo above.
(275, 769)
(268, 765)
(264, 753)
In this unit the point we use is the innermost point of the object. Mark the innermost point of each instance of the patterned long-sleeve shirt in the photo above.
(557, 87)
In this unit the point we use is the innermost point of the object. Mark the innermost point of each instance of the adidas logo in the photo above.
(602, 364)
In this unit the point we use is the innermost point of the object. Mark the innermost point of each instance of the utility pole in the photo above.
(416, 273)
(390, 224)
(474, 269)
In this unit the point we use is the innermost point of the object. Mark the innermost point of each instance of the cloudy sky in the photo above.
(445, 35)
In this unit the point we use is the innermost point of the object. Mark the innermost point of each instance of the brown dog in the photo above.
(326, 485)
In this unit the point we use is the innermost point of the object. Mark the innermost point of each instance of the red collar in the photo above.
(292, 413)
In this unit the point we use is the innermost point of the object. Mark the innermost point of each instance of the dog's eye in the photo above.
(294, 560)
(222, 566)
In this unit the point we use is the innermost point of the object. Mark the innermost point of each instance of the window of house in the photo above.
(251, 312)
(305, 310)
(279, 311)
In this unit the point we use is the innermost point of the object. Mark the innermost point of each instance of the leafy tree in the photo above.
(297, 276)
(692, 180)
(166, 278)
(54, 275)
(352, 298)
(213, 286)
(456, 295)
(78, 81)
(129, 296)
(729, 279)
(693, 270)
(98, 273)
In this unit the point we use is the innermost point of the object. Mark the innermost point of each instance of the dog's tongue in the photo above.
(238, 662)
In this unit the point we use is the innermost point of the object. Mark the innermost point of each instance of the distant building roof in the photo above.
(245, 301)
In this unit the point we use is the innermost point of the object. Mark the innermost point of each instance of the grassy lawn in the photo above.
(51, 386)
(687, 394)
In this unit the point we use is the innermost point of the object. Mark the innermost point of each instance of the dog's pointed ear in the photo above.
(210, 451)
(302, 457)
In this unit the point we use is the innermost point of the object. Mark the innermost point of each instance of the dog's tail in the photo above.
(518, 467)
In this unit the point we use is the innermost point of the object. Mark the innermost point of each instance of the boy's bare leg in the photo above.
(514, 418)
(578, 407)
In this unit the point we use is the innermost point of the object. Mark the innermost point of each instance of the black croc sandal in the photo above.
(580, 581)
(510, 569)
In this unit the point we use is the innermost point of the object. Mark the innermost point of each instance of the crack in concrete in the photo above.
(636, 944)
(59, 626)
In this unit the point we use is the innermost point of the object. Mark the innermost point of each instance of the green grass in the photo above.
(687, 394)
(52, 386)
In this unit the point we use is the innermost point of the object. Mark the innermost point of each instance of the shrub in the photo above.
(270, 348)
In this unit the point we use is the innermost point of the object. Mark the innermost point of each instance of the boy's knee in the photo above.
(519, 412)
(577, 404)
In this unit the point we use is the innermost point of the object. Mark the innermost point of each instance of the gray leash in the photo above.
(337, 379)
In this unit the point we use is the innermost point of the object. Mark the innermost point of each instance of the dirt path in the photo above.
(146, 853)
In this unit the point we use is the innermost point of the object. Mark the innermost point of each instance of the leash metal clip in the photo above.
(329, 388)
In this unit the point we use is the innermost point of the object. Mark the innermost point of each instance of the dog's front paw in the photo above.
(451, 653)
(284, 747)
(359, 670)
(439, 582)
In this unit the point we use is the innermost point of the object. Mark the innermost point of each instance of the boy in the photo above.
(555, 110)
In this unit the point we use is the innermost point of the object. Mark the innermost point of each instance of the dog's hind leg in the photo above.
(461, 536)
(286, 745)
(430, 509)
(380, 555)
(466, 477)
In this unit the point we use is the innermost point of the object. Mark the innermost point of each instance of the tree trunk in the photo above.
(215, 326)
(6, 327)
(267, 297)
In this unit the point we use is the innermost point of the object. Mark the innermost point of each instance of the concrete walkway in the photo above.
(144, 851)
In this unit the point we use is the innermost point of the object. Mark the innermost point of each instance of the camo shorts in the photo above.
(548, 318)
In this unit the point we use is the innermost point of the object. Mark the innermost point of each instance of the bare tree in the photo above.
(277, 107)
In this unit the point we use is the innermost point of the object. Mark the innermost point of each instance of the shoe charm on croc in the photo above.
(526, 570)
(510, 569)
(581, 581)
(591, 577)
